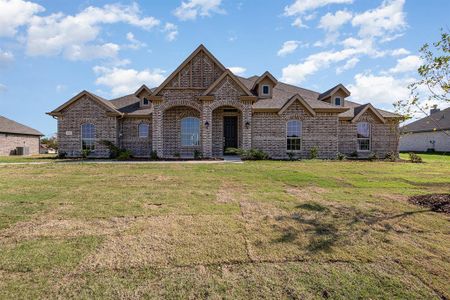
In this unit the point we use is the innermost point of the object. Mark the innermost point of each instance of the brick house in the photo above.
(14, 135)
(203, 106)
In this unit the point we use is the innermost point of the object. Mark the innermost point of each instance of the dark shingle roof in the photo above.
(438, 121)
(10, 126)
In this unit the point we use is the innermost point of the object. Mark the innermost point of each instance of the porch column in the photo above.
(157, 128)
(206, 129)
(247, 127)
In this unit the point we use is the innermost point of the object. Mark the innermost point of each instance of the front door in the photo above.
(230, 132)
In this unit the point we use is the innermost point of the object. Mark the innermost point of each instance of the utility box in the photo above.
(22, 150)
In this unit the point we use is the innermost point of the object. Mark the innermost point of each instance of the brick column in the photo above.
(247, 130)
(206, 131)
(157, 127)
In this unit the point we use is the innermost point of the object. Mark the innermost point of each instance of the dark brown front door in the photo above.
(230, 132)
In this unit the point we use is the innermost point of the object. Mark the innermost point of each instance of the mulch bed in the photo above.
(436, 202)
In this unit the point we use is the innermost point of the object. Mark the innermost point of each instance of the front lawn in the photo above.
(294, 230)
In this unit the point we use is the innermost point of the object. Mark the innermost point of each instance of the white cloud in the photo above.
(237, 70)
(5, 57)
(350, 64)
(380, 90)
(171, 31)
(3, 88)
(16, 13)
(299, 23)
(288, 48)
(61, 87)
(125, 81)
(407, 64)
(134, 43)
(301, 6)
(332, 22)
(382, 21)
(73, 35)
(191, 9)
(400, 52)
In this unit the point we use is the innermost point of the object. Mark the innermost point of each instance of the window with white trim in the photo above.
(265, 89)
(337, 101)
(145, 102)
(88, 137)
(190, 131)
(143, 130)
(294, 135)
(363, 136)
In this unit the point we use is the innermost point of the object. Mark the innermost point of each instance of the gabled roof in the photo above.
(299, 98)
(437, 121)
(334, 90)
(10, 126)
(360, 110)
(184, 63)
(261, 78)
(141, 89)
(103, 102)
(233, 77)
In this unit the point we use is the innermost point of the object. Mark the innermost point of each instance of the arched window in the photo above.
(143, 130)
(294, 135)
(363, 136)
(88, 137)
(190, 131)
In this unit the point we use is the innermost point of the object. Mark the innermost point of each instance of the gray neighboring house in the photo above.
(429, 133)
(202, 106)
(14, 135)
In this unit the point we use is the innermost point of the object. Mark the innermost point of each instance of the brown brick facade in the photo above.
(9, 142)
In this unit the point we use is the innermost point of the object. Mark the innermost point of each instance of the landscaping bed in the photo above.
(436, 202)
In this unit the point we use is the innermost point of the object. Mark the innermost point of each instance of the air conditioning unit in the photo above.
(22, 150)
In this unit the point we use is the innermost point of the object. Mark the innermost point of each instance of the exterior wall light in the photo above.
(247, 125)
(207, 124)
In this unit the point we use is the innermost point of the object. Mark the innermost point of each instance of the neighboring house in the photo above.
(431, 133)
(14, 135)
(205, 107)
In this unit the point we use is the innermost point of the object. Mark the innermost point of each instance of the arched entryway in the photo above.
(227, 125)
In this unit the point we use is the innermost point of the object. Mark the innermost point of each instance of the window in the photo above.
(337, 101)
(190, 131)
(294, 135)
(143, 130)
(145, 101)
(88, 137)
(363, 136)
(265, 90)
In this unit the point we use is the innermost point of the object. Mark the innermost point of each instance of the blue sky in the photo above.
(51, 50)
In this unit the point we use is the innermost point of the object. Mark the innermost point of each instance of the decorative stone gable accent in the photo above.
(227, 89)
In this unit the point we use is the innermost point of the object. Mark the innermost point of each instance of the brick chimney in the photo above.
(434, 109)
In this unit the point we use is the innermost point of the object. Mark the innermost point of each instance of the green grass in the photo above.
(31, 158)
(307, 230)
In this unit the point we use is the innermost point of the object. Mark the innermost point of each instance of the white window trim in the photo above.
(340, 101)
(143, 104)
(198, 136)
(359, 139)
(92, 139)
(299, 138)
(148, 131)
(262, 90)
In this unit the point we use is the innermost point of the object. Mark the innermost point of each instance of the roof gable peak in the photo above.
(222, 77)
(302, 101)
(333, 90)
(365, 108)
(268, 75)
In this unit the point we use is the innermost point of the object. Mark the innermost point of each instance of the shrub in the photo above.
(390, 156)
(177, 154)
(198, 154)
(373, 156)
(232, 151)
(114, 151)
(85, 153)
(124, 155)
(340, 156)
(415, 158)
(354, 154)
(314, 152)
(291, 155)
(154, 155)
(62, 155)
(253, 154)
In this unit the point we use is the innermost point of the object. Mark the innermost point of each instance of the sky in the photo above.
(52, 50)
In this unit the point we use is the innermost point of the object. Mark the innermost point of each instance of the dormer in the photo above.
(263, 86)
(143, 93)
(335, 96)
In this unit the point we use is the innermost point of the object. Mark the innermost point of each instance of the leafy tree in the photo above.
(50, 142)
(434, 80)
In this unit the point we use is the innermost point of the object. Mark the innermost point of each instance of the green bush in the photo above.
(124, 155)
(177, 154)
(313, 152)
(253, 154)
(354, 154)
(373, 156)
(415, 158)
(198, 154)
(62, 155)
(390, 156)
(114, 151)
(231, 151)
(340, 156)
(154, 155)
(291, 155)
(85, 153)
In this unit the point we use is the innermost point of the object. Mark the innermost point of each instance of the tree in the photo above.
(433, 87)
(50, 142)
